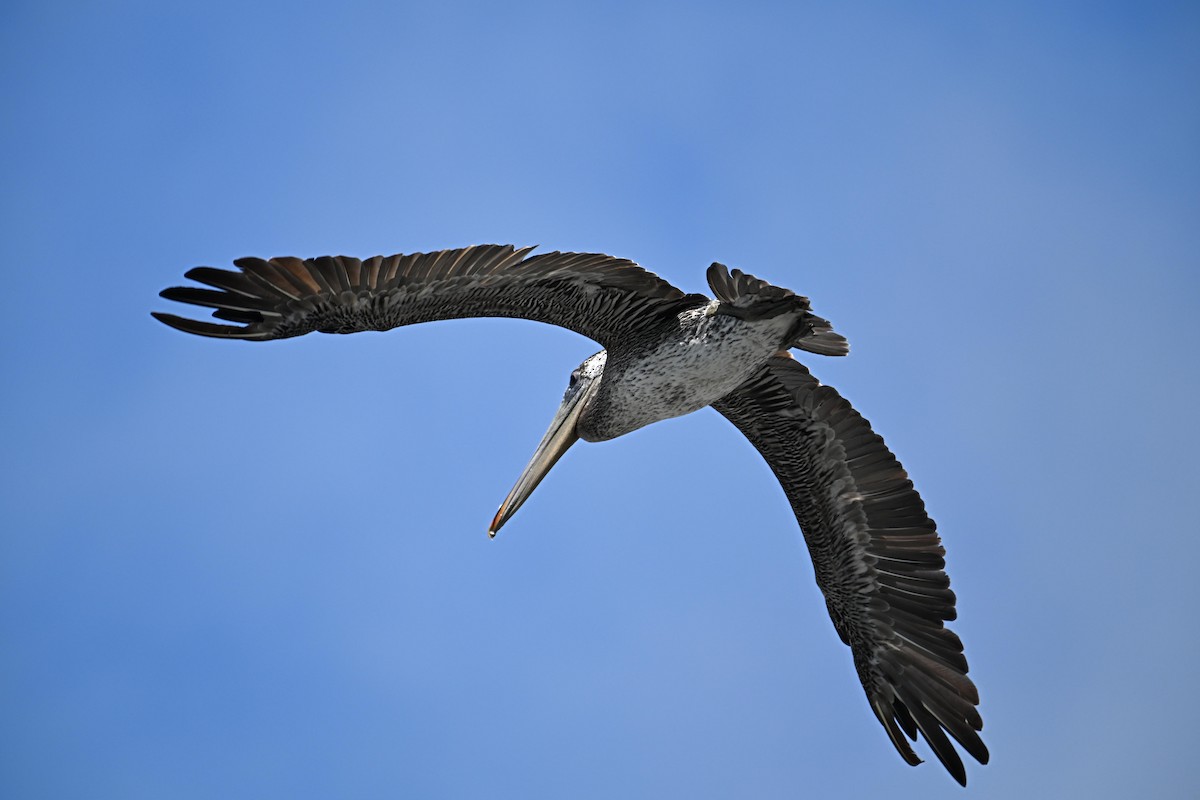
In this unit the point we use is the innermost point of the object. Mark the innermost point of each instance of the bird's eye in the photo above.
(574, 379)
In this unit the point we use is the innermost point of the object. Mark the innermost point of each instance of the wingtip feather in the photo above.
(201, 328)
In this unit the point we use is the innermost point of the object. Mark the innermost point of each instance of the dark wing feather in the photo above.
(599, 296)
(745, 296)
(876, 554)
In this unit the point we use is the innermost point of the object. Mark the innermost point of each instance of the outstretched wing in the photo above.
(599, 296)
(876, 553)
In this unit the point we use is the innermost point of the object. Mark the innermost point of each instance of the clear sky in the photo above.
(235, 570)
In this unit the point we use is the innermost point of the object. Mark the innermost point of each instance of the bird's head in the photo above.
(564, 431)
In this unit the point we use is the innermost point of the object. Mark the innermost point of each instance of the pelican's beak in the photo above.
(558, 439)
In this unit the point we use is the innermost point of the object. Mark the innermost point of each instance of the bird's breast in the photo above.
(705, 358)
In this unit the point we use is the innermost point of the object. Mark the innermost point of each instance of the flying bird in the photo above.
(876, 554)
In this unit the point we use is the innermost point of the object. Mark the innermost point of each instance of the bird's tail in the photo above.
(744, 296)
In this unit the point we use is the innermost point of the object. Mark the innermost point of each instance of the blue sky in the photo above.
(262, 570)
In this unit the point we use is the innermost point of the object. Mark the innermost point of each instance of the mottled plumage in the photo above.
(876, 554)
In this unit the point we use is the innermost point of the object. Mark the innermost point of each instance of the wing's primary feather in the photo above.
(596, 295)
(876, 554)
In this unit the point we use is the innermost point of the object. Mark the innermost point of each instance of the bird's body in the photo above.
(876, 554)
(697, 359)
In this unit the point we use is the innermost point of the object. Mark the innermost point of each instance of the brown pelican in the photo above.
(876, 553)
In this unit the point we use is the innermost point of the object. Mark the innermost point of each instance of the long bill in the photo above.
(558, 439)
